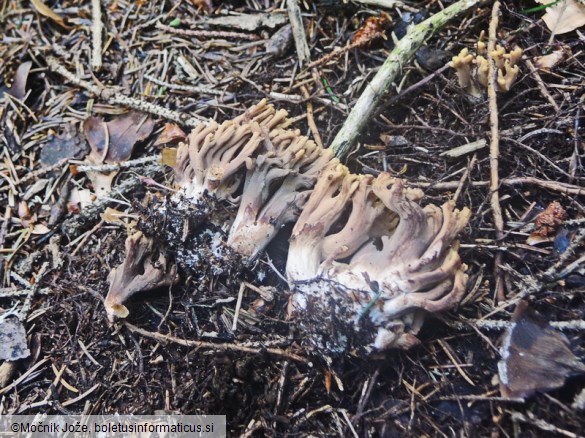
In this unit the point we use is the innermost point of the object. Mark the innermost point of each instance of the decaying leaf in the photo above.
(547, 223)
(535, 356)
(97, 135)
(431, 59)
(552, 59)
(18, 88)
(112, 142)
(44, 10)
(171, 133)
(65, 145)
(27, 218)
(23, 210)
(564, 17)
(280, 42)
(102, 182)
(374, 27)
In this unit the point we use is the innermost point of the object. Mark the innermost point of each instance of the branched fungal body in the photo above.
(365, 261)
(391, 260)
(472, 68)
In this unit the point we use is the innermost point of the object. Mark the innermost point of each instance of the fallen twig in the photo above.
(296, 21)
(42, 171)
(340, 51)
(568, 189)
(188, 88)
(114, 97)
(117, 166)
(24, 376)
(464, 177)
(223, 347)
(552, 273)
(541, 85)
(97, 27)
(388, 4)
(73, 226)
(80, 397)
(207, 33)
(541, 424)
(495, 152)
(577, 325)
(24, 311)
(375, 91)
(479, 398)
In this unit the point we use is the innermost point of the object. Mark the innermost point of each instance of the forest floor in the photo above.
(173, 62)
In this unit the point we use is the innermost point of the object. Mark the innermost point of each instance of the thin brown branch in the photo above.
(213, 346)
(495, 151)
(541, 85)
(568, 189)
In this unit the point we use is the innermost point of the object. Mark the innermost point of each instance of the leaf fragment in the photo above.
(551, 60)
(564, 17)
(171, 133)
(113, 142)
(45, 11)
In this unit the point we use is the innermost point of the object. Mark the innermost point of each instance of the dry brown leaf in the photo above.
(547, 223)
(44, 10)
(125, 131)
(535, 356)
(373, 27)
(67, 144)
(78, 199)
(102, 182)
(97, 135)
(551, 60)
(280, 42)
(550, 219)
(564, 17)
(113, 142)
(171, 133)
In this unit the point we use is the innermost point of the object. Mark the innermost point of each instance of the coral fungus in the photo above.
(365, 260)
